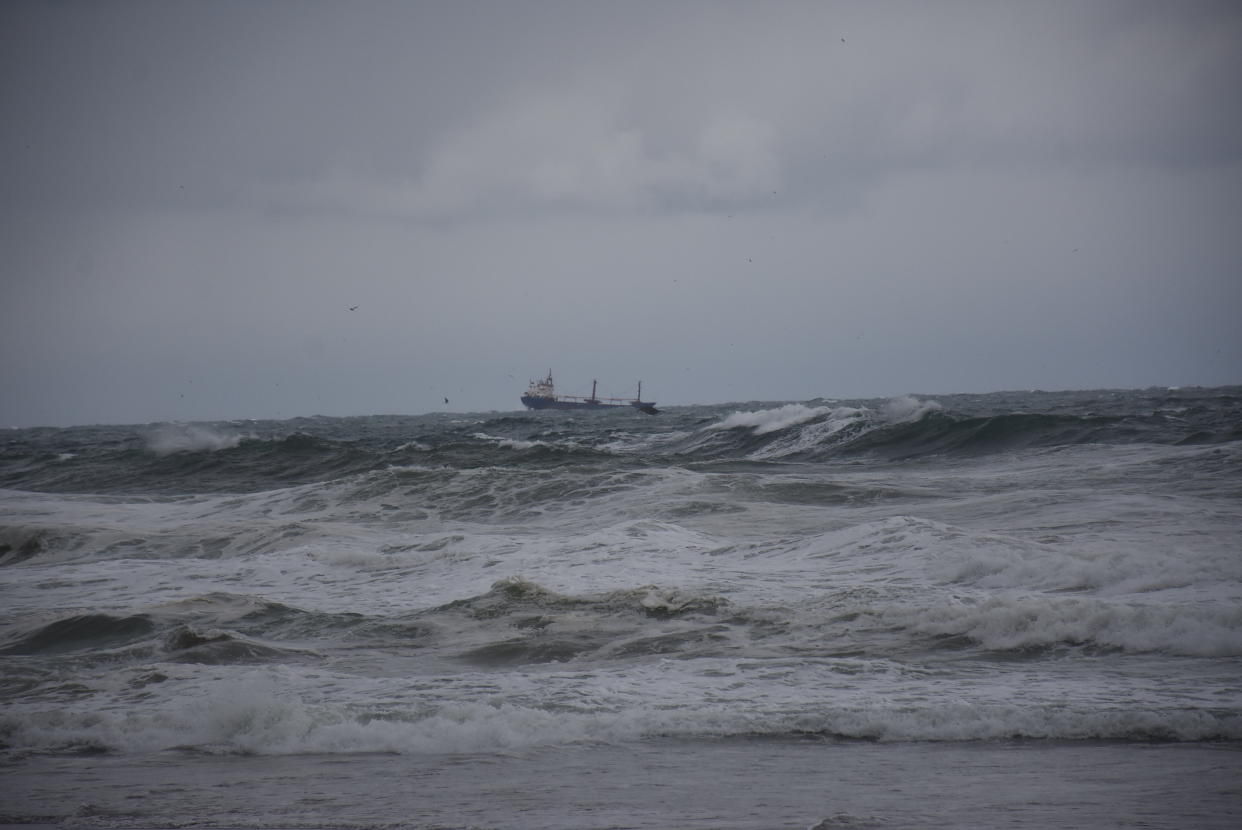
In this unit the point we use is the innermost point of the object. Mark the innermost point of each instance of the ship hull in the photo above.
(546, 403)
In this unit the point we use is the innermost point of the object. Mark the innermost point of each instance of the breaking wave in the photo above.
(253, 714)
(910, 427)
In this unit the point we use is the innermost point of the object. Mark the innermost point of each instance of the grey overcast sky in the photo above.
(731, 201)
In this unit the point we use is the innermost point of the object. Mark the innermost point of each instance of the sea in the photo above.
(1008, 610)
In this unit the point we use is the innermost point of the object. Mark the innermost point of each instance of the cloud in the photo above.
(558, 151)
(721, 105)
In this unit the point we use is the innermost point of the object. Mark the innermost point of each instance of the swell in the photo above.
(826, 434)
(197, 461)
(520, 623)
(248, 465)
(214, 629)
(82, 632)
(100, 638)
(941, 433)
(515, 622)
(243, 457)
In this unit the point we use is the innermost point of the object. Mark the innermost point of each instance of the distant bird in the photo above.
(446, 400)
(353, 308)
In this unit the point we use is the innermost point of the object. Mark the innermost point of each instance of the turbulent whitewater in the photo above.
(742, 585)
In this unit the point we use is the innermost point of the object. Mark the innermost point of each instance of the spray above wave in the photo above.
(170, 438)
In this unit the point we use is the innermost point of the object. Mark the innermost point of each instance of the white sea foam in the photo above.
(361, 559)
(518, 443)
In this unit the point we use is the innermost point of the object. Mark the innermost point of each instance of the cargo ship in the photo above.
(542, 395)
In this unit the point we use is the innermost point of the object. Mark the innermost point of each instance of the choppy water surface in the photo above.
(720, 611)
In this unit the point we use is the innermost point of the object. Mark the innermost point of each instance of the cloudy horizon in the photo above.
(266, 210)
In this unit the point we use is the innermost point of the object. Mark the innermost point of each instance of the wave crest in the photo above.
(765, 421)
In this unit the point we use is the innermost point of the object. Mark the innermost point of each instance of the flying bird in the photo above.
(353, 308)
